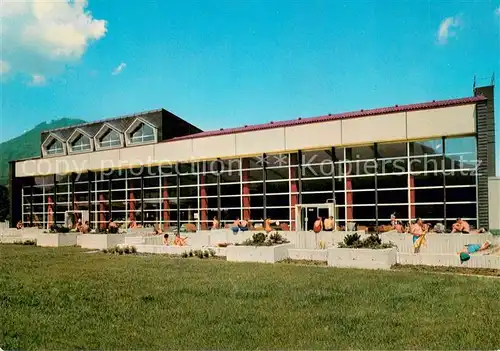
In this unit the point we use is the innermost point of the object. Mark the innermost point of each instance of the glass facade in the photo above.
(433, 179)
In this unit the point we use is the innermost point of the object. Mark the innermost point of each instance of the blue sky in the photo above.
(229, 63)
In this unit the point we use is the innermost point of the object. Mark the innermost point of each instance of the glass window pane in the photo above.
(360, 153)
(392, 150)
(426, 147)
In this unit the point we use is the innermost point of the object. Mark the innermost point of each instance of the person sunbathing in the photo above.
(178, 241)
(461, 226)
(244, 225)
(19, 225)
(472, 248)
(165, 239)
(396, 225)
(236, 226)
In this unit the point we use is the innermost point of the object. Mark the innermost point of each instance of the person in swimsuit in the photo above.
(165, 239)
(469, 249)
(236, 226)
(244, 225)
(328, 225)
(178, 241)
(461, 226)
(267, 225)
(318, 225)
(215, 223)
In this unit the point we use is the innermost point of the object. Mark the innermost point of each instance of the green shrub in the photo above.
(184, 254)
(191, 253)
(259, 238)
(351, 239)
(277, 239)
(119, 250)
(206, 253)
(495, 231)
(211, 252)
(199, 253)
(104, 250)
(126, 250)
(133, 249)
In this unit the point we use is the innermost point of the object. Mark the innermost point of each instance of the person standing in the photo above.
(318, 225)
(328, 224)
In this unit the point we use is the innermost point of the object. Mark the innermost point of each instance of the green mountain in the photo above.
(27, 145)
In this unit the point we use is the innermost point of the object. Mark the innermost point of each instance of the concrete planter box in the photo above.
(362, 258)
(100, 241)
(265, 254)
(57, 239)
(307, 254)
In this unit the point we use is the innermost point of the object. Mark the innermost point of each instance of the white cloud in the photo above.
(44, 36)
(119, 69)
(448, 28)
(497, 11)
(4, 67)
(37, 80)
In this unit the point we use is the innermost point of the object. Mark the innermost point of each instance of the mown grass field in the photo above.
(68, 299)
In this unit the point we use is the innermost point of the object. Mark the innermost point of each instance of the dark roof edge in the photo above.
(332, 117)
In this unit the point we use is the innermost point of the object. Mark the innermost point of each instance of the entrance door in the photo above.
(307, 214)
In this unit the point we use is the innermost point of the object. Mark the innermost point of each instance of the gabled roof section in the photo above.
(62, 134)
(79, 131)
(106, 126)
(332, 117)
(51, 136)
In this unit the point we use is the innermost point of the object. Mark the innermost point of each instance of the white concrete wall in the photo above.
(449, 260)
(57, 240)
(100, 241)
(421, 124)
(308, 255)
(264, 254)
(437, 243)
(362, 258)
(494, 202)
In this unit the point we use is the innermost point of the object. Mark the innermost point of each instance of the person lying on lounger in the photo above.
(472, 248)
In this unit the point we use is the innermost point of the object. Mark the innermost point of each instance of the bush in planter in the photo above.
(353, 241)
(211, 252)
(261, 239)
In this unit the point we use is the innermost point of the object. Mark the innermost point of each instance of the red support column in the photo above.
(349, 199)
(102, 209)
(246, 190)
(203, 204)
(294, 199)
(412, 197)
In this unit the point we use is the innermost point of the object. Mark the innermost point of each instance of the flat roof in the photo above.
(332, 117)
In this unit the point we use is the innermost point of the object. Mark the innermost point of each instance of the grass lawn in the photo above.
(67, 299)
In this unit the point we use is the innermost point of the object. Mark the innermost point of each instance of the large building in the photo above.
(429, 160)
